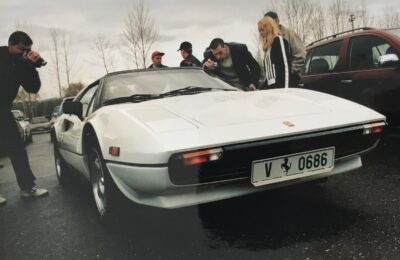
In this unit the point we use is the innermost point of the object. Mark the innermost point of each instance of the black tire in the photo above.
(103, 187)
(62, 170)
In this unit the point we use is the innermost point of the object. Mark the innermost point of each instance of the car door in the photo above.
(322, 68)
(72, 125)
(372, 85)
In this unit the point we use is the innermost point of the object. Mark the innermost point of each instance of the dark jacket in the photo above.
(161, 66)
(190, 61)
(244, 64)
(13, 74)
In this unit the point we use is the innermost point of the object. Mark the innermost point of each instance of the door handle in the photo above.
(300, 85)
(346, 81)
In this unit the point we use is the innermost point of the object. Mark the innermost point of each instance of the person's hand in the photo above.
(252, 87)
(32, 56)
(209, 64)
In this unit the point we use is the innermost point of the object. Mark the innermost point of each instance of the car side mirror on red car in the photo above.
(388, 60)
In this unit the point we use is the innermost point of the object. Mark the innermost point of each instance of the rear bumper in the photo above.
(153, 187)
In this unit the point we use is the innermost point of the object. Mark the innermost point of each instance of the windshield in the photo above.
(155, 82)
(395, 32)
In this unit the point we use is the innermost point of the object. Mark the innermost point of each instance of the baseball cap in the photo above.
(187, 46)
(157, 53)
(272, 14)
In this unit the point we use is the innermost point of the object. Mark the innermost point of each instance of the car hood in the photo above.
(232, 108)
(163, 126)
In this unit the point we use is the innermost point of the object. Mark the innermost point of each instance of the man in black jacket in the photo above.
(17, 68)
(189, 60)
(233, 63)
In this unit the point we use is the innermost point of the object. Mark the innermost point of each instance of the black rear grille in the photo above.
(237, 159)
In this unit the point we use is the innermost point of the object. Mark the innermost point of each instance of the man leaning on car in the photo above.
(233, 63)
(18, 65)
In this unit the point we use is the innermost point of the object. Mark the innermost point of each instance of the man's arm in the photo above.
(254, 69)
(208, 63)
(30, 80)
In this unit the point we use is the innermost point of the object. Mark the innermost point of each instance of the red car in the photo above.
(361, 65)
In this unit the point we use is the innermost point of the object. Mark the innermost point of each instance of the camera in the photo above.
(40, 62)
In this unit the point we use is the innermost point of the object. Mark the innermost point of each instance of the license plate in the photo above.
(292, 166)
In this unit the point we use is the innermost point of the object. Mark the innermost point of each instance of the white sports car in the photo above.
(176, 137)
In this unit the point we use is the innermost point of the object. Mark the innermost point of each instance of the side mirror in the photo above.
(388, 60)
(72, 108)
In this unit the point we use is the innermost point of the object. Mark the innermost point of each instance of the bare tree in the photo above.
(298, 14)
(312, 20)
(391, 19)
(339, 15)
(318, 23)
(104, 48)
(55, 35)
(365, 19)
(140, 32)
(73, 89)
(66, 43)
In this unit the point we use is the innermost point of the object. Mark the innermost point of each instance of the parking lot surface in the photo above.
(351, 216)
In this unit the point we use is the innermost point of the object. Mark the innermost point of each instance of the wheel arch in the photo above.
(88, 138)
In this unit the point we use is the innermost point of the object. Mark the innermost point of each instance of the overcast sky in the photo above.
(177, 21)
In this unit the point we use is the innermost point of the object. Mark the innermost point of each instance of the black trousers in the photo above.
(12, 144)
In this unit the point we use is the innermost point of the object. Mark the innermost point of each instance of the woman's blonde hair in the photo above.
(271, 30)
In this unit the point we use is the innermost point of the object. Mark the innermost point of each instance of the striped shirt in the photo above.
(276, 64)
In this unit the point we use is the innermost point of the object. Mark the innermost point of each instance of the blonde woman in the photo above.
(276, 59)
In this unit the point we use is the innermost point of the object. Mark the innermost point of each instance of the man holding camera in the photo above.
(18, 65)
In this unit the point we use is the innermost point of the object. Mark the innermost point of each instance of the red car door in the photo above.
(323, 69)
(369, 83)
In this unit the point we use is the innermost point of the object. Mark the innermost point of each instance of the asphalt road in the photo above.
(352, 216)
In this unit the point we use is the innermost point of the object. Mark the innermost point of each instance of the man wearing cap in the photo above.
(188, 59)
(297, 52)
(156, 58)
(233, 63)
